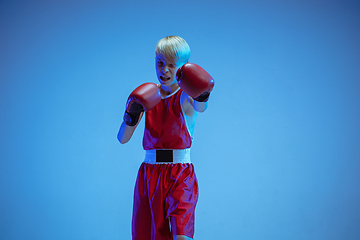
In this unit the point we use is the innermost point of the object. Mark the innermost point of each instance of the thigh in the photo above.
(149, 217)
(181, 200)
(141, 219)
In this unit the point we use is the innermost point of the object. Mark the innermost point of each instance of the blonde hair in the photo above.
(173, 48)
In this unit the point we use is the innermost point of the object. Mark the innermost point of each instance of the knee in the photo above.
(181, 237)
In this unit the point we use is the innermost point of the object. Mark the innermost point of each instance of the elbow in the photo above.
(200, 106)
(201, 109)
(125, 133)
(121, 139)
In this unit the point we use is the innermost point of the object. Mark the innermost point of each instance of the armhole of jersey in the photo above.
(185, 118)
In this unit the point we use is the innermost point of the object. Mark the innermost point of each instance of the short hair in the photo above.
(173, 48)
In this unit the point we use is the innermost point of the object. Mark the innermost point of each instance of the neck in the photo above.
(167, 90)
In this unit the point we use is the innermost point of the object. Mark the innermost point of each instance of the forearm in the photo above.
(126, 131)
(199, 106)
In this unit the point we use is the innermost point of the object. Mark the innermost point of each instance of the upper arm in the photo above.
(187, 104)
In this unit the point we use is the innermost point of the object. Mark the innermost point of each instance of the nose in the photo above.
(166, 68)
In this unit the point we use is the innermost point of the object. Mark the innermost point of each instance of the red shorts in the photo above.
(164, 201)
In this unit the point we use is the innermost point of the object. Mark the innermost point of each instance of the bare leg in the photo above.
(181, 237)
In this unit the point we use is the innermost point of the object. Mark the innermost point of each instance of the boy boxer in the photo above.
(166, 189)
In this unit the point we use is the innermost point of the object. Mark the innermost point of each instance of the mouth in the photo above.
(164, 78)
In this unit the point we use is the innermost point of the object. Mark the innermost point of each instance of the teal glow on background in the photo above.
(276, 154)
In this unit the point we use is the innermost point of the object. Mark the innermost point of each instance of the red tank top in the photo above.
(165, 126)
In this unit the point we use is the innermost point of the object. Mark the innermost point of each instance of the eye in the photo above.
(160, 63)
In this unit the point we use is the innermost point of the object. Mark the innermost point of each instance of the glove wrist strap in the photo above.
(204, 97)
(131, 119)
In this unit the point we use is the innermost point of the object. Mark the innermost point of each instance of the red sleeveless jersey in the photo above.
(165, 126)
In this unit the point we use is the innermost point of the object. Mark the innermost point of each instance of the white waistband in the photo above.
(179, 156)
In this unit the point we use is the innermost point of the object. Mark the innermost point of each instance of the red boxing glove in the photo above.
(195, 81)
(143, 98)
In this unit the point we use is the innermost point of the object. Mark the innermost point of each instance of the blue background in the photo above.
(277, 152)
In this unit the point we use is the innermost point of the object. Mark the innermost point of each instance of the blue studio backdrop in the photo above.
(276, 154)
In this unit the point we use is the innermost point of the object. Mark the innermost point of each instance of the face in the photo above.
(165, 71)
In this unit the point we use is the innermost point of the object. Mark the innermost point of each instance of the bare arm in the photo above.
(126, 131)
(198, 106)
(189, 105)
